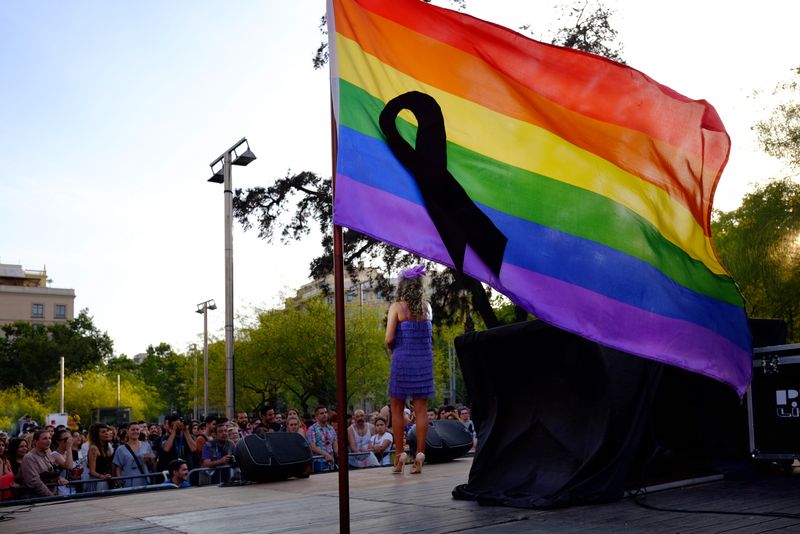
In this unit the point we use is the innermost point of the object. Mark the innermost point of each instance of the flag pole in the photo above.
(341, 357)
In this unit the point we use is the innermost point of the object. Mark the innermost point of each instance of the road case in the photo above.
(773, 403)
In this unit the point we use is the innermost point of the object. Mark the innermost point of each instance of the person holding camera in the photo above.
(37, 467)
(177, 442)
(62, 457)
(218, 454)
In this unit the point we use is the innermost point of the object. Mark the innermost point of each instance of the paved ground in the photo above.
(381, 503)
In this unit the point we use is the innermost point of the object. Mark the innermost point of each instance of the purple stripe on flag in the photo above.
(407, 225)
(360, 206)
(621, 325)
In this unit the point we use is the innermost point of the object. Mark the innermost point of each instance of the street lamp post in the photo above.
(203, 308)
(195, 410)
(238, 154)
(61, 405)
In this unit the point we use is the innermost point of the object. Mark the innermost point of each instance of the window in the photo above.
(61, 311)
(37, 311)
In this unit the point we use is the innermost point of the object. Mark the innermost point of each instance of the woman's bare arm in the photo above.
(391, 326)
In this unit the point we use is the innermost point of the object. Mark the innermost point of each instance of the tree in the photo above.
(81, 343)
(289, 355)
(367, 360)
(299, 202)
(588, 28)
(18, 401)
(94, 389)
(27, 356)
(779, 134)
(166, 372)
(217, 376)
(122, 365)
(442, 346)
(759, 242)
(29, 353)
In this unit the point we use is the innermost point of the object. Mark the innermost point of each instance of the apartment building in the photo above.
(25, 296)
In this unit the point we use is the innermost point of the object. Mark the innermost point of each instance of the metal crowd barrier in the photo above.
(200, 476)
(319, 465)
(207, 476)
(79, 484)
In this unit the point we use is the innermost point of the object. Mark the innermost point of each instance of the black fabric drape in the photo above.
(561, 420)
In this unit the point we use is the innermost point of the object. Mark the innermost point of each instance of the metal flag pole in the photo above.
(341, 357)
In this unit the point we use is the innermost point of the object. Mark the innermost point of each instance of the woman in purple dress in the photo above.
(409, 336)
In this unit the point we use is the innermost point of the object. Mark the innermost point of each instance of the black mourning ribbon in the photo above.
(457, 219)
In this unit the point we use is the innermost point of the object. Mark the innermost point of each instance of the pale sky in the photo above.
(112, 111)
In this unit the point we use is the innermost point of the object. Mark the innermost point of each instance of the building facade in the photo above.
(25, 296)
(362, 291)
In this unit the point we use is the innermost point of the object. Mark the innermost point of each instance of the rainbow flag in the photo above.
(600, 178)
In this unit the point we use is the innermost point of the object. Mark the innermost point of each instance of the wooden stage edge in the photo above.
(381, 502)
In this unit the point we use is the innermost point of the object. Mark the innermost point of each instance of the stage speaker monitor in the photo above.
(273, 456)
(447, 440)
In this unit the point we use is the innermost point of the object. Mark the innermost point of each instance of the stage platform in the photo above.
(384, 503)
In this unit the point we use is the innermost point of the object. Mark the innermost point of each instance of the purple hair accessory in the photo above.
(413, 272)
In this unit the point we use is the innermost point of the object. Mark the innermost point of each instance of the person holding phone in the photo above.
(177, 442)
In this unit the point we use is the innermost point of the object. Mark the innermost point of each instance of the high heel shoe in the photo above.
(399, 464)
(416, 469)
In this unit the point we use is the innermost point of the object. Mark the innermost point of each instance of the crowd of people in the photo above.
(57, 460)
(63, 459)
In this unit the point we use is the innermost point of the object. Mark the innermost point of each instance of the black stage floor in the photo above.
(382, 503)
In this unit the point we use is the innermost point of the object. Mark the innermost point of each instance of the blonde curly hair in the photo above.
(412, 292)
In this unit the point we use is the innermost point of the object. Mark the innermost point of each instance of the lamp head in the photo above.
(207, 305)
(218, 177)
(245, 157)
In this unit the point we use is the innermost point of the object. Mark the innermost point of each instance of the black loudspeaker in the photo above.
(273, 456)
(447, 440)
(773, 402)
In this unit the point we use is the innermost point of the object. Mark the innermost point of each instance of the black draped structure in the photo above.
(564, 421)
(561, 419)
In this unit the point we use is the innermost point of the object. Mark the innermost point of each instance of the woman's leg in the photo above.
(398, 426)
(421, 414)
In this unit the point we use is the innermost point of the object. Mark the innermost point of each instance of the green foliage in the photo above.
(367, 360)
(27, 356)
(29, 353)
(18, 401)
(6, 423)
(94, 389)
(443, 337)
(292, 355)
(122, 365)
(81, 343)
(288, 356)
(779, 134)
(759, 242)
(168, 376)
(167, 372)
(216, 375)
